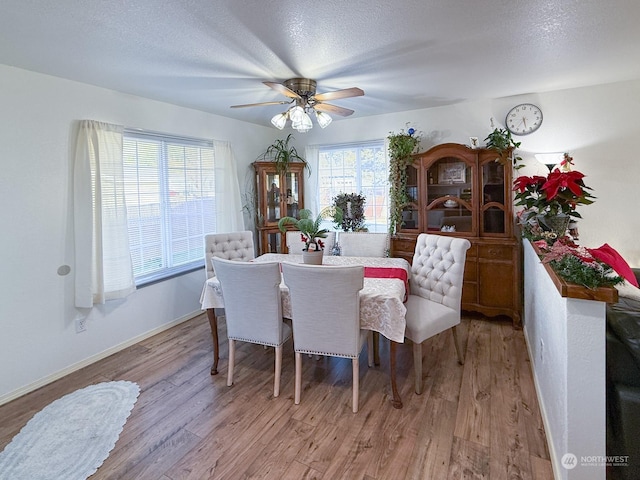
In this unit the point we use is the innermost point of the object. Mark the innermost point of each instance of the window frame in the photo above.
(377, 144)
(166, 140)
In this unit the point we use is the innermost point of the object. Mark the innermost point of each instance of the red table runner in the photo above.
(389, 272)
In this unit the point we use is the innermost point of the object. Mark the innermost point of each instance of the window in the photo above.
(357, 168)
(170, 198)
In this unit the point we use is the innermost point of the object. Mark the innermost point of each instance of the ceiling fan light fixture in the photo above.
(279, 120)
(324, 119)
(304, 125)
(296, 113)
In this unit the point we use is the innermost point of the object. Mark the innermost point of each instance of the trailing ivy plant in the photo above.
(401, 146)
(502, 142)
(350, 211)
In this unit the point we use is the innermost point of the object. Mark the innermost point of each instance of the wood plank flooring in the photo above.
(477, 421)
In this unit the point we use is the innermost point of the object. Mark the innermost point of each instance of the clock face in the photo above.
(523, 119)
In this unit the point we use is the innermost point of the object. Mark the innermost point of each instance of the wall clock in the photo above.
(523, 119)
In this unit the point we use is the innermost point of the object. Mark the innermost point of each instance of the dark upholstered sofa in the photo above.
(623, 384)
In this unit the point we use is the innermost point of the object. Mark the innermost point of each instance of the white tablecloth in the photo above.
(381, 300)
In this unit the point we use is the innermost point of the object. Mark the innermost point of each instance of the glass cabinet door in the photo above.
(274, 242)
(292, 195)
(492, 203)
(410, 217)
(272, 187)
(449, 206)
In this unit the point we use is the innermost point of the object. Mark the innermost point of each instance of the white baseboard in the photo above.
(555, 460)
(94, 358)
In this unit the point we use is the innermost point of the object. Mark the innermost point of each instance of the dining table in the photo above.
(382, 298)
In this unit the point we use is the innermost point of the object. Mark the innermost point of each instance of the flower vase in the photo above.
(557, 224)
(313, 257)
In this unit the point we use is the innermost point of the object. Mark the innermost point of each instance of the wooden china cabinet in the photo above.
(459, 191)
(279, 195)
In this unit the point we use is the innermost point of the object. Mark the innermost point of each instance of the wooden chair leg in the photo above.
(356, 384)
(213, 323)
(417, 365)
(298, 381)
(370, 356)
(232, 361)
(276, 382)
(456, 341)
(376, 348)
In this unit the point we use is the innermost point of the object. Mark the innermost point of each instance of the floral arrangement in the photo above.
(401, 146)
(311, 230)
(576, 264)
(560, 192)
(352, 205)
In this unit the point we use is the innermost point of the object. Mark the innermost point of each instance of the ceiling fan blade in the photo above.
(345, 93)
(260, 104)
(325, 107)
(278, 87)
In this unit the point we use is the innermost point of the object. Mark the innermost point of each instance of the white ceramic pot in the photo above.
(313, 257)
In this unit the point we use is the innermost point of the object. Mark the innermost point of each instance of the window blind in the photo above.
(171, 202)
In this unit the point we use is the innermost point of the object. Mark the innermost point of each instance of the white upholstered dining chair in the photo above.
(363, 244)
(435, 283)
(295, 245)
(325, 311)
(230, 246)
(253, 308)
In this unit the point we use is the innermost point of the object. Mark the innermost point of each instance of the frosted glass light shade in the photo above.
(279, 120)
(304, 125)
(295, 114)
(324, 119)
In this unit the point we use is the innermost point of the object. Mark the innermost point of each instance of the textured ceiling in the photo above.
(405, 54)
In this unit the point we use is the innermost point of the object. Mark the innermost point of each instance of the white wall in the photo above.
(566, 342)
(37, 112)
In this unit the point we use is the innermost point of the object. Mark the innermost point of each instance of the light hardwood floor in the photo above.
(480, 420)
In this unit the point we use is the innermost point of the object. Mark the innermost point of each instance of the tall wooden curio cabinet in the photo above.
(280, 194)
(459, 191)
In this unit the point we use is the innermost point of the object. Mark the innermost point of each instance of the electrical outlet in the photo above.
(81, 324)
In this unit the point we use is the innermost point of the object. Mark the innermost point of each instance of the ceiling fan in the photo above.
(302, 92)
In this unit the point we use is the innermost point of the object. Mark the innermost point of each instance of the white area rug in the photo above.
(71, 437)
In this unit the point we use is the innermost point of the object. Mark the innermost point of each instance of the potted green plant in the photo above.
(282, 154)
(401, 146)
(503, 143)
(311, 231)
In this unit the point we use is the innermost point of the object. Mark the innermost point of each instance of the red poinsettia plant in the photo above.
(560, 192)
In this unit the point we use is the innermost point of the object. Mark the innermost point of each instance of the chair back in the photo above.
(325, 308)
(363, 244)
(295, 245)
(437, 269)
(230, 246)
(252, 302)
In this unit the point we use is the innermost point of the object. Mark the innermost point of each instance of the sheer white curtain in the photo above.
(228, 202)
(103, 261)
(312, 155)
